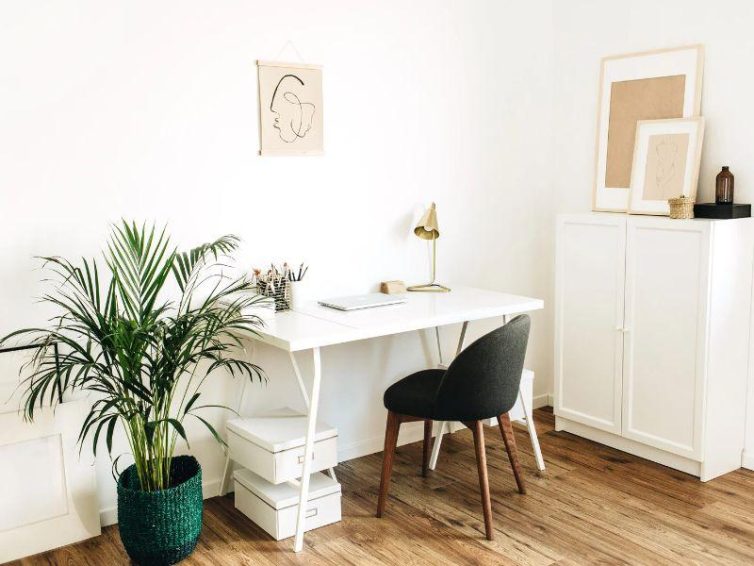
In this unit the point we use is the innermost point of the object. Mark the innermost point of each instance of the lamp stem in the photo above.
(434, 258)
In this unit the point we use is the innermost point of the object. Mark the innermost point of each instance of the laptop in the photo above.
(358, 302)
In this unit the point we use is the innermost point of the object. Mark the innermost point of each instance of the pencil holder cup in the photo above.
(299, 293)
(280, 293)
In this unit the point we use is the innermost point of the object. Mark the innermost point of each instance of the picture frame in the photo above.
(290, 108)
(651, 85)
(667, 155)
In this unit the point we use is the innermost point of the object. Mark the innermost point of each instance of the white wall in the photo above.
(148, 110)
(587, 30)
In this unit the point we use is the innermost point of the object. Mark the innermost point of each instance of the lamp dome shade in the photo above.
(427, 228)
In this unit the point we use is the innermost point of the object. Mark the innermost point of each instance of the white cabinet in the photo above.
(652, 327)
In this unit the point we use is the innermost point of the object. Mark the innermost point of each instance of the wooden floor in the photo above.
(593, 505)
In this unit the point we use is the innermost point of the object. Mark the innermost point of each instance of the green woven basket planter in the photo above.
(161, 527)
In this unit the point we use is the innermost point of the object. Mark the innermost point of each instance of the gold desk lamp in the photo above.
(427, 229)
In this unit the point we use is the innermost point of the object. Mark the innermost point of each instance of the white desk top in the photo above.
(316, 326)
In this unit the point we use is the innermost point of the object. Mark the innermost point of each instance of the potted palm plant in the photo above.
(144, 357)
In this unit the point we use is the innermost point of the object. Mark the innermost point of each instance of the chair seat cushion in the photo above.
(414, 395)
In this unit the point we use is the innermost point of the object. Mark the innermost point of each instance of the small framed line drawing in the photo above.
(666, 163)
(290, 109)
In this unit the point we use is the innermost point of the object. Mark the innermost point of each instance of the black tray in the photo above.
(724, 211)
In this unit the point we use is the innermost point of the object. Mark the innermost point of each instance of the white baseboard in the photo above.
(544, 400)
(109, 516)
(747, 461)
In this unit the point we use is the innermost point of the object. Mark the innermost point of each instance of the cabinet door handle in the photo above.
(301, 458)
(311, 512)
(621, 329)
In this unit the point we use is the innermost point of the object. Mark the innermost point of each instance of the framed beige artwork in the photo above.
(665, 163)
(290, 109)
(653, 85)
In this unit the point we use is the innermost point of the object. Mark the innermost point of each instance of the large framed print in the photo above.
(654, 85)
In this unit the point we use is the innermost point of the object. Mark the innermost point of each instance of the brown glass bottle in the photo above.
(724, 187)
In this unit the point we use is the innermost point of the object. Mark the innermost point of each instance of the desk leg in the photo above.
(441, 426)
(303, 498)
(529, 416)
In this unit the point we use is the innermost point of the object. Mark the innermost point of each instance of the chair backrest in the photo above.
(484, 379)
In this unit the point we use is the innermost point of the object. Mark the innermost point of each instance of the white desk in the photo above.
(313, 327)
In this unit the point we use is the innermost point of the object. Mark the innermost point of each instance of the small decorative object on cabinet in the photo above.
(639, 86)
(724, 186)
(136, 351)
(651, 334)
(681, 208)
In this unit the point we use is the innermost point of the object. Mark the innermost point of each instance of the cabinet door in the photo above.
(590, 269)
(667, 271)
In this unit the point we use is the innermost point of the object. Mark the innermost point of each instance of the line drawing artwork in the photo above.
(290, 109)
(293, 118)
(667, 157)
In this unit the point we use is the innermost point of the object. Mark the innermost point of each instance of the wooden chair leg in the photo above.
(391, 439)
(506, 429)
(426, 446)
(481, 463)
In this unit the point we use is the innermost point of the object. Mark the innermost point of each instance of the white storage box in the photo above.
(275, 507)
(273, 447)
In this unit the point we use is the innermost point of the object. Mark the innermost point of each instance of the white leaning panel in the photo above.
(48, 493)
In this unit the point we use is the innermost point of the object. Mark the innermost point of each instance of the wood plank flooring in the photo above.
(594, 505)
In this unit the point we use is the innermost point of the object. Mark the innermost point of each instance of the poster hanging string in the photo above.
(290, 44)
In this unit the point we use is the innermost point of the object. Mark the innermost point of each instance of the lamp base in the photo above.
(429, 288)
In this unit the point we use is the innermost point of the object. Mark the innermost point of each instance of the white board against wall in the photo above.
(48, 492)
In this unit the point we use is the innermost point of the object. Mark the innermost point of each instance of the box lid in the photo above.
(284, 495)
(278, 433)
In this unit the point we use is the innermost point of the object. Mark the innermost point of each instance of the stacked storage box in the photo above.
(271, 451)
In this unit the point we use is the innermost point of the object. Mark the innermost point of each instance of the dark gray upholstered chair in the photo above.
(481, 383)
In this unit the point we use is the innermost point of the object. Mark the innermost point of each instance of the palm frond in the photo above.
(122, 338)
